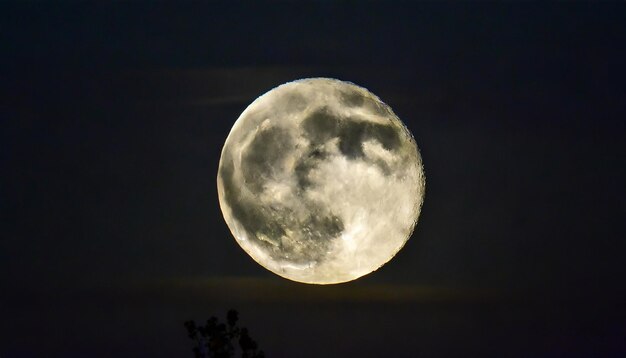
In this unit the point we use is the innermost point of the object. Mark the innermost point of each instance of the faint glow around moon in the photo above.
(320, 182)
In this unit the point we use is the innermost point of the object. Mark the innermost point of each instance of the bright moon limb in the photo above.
(320, 182)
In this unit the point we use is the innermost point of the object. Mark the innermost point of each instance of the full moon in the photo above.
(320, 182)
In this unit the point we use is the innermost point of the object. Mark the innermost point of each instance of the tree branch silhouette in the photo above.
(219, 340)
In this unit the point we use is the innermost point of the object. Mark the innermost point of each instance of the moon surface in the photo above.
(320, 182)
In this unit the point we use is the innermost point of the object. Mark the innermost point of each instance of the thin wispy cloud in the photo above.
(252, 289)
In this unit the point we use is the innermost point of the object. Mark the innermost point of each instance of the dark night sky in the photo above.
(113, 117)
